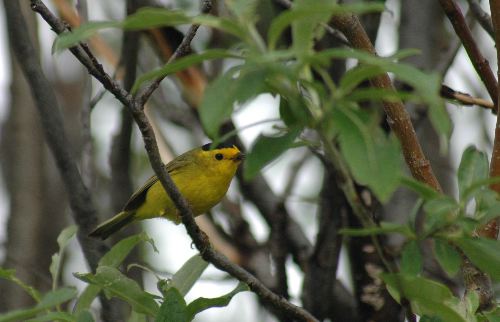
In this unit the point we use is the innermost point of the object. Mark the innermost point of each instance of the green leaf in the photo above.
(303, 29)
(483, 252)
(384, 228)
(184, 279)
(373, 158)
(355, 76)
(425, 191)
(69, 39)
(226, 25)
(243, 9)
(493, 315)
(54, 316)
(228, 89)
(173, 308)
(440, 212)
(181, 64)
(201, 304)
(411, 259)
(427, 297)
(118, 285)
(309, 12)
(265, 149)
(62, 240)
(9, 274)
(86, 298)
(117, 254)
(84, 316)
(146, 18)
(473, 167)
(447, 256)
(48, 301)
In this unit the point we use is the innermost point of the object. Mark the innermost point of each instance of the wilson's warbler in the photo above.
(202, 175)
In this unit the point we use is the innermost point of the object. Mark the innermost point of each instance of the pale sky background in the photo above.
(173, 242)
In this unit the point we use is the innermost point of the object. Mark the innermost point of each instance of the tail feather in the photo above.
(113, 225)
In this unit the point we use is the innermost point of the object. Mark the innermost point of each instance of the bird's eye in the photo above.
(219, 156)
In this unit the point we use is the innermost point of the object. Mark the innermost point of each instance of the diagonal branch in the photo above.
(397, 116)
(480, 63)
(183, 49)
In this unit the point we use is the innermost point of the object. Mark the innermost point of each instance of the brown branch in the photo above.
(397, 116)
(465, 99)
(198, 237)
(183, 49)
(464, 33)
(482, 17)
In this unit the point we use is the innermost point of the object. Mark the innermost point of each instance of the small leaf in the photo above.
(54, 316)
(384, 228)
(265, 149)
(425, 191)
(87, 297)
(62, 240)
(230, 88)
(184, 279)
(447, 256)
(483, 252)
(310, 12)
(118, 285)
(411, 259)
(473, 167)
(427, 297)
(115, 256)
(9, 274)
(56, 297)
(373, 158)
(72, 38)
(201, 304)
(440, 212)
(181, 64)
(84, 316)
(173, 308)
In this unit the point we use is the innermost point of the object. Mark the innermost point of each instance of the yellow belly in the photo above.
(201, 194)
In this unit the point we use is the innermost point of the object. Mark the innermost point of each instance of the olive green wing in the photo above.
(139, 197)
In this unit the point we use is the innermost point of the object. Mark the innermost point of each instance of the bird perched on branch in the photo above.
(202, 175)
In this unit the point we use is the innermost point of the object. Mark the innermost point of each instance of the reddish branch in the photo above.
(464, 33)
(398, 117)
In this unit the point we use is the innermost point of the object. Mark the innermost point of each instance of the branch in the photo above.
(183, 49)
(198, 237)
(478, 61)
(482, 17)
(84, 212)
(397, 116)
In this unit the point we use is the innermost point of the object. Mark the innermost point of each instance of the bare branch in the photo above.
(482, 17)
(183, 49)
(480, 63)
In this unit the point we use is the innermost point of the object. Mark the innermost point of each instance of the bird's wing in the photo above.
(138, 198)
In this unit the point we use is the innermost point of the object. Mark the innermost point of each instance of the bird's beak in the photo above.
(239, 157)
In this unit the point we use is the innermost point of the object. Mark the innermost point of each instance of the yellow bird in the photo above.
(202, 175)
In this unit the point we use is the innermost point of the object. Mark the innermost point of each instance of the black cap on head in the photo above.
(207, 146)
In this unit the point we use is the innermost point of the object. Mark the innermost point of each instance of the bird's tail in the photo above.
(112, 225)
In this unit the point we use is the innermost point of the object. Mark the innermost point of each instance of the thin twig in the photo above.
(482, 17)
(183, 49)
(199, 238)
(480, 63)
